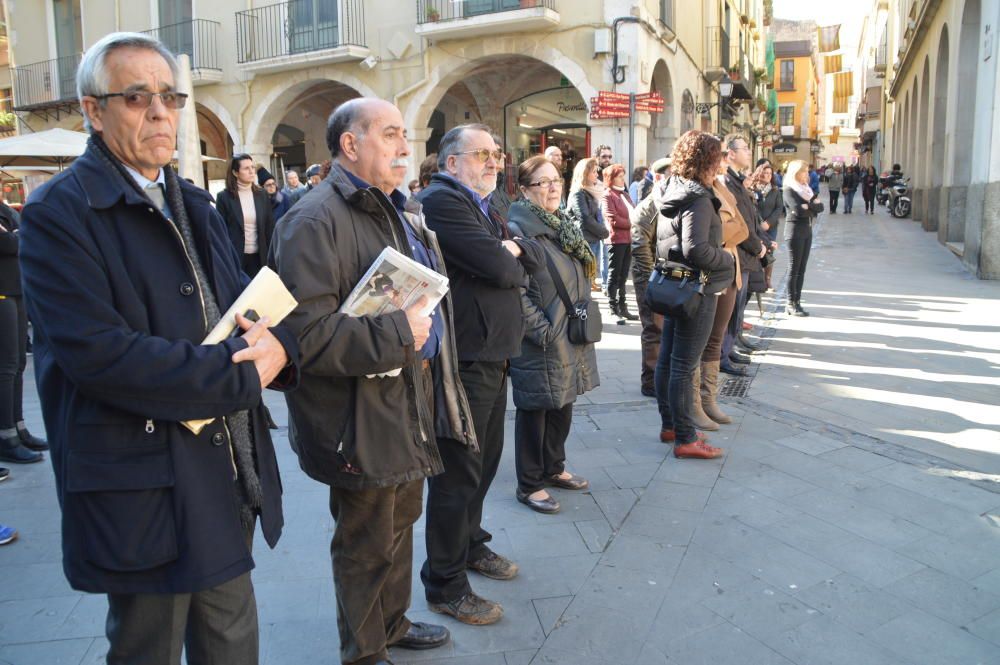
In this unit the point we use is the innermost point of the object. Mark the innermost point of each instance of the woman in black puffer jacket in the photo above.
(16, 443)
(551, 371)
(691, 239)
(801, 206)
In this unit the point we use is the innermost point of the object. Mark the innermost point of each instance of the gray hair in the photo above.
(454, 140)
(731, 139)
(92, 76)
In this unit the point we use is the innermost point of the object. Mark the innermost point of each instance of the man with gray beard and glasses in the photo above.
(370, 438)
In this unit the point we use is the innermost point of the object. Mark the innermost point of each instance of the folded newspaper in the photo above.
(394, 281)
(267, 296)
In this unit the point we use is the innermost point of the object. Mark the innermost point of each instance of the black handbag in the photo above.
(675, 292)
(585, 325)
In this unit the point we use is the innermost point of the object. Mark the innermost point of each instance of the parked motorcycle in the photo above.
(900, 200)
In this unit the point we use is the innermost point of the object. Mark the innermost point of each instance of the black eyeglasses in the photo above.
(483, 154)
(547, 182)
(141, 99)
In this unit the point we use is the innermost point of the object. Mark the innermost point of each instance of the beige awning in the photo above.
(833, 63)
(843, 87)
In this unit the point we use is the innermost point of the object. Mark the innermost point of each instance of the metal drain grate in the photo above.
(736, 387)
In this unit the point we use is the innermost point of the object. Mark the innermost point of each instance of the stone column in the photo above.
(418, 150)
(933, 203)
(188, 140)
(261, 152)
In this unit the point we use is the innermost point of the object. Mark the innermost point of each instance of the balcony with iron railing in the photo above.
(881, 57)
(290, 35)
(46, 86)
(199, 40)
(725, 57)
(446, 19)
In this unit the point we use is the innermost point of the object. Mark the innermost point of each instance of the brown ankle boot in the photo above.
(700, 419)
(710, 391)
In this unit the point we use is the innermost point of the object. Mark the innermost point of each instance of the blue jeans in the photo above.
(681, 347)
(601, 254)
(849, 200)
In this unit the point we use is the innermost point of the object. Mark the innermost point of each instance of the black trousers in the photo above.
(372, 554)
(540, 445)
(652, 330)
(251, 263)
(618, 266)
(455, 498)
(870, 202)
(799, 245)
(13, 357)
(215, 626)
(834, 197)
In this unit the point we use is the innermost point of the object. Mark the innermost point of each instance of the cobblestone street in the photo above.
(855, 519)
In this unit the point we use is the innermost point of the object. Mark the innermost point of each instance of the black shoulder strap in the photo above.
(560, 287)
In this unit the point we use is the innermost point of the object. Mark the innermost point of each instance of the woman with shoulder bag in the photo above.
(801, 206)
(850, 189)
(584, 208)
(555, 365)
(689, 244)
(248, 213)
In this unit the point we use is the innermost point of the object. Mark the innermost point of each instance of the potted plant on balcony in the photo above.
(734, 72)
(432, 13)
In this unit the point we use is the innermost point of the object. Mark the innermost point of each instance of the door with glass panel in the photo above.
(312, 25)
(176, 27)
(69, 43)
(476, 7)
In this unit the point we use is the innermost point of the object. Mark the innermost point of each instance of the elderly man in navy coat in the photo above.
(126, 268)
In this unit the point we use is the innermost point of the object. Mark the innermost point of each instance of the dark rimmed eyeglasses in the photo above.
(547, 182)
(141, 99)
(483, 154)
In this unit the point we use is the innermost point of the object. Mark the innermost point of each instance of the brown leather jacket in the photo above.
(734, 228)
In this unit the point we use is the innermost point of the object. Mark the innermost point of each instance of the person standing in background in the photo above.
(584, 207)
(869, 185)
(248, 214)
(293, 189)
(616, 209)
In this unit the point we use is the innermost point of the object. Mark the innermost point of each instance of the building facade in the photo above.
(941, 118)
(267, 75)
(797, 82)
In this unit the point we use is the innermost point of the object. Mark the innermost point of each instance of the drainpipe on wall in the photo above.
(118, 15)
(243, 109)
(411, 88)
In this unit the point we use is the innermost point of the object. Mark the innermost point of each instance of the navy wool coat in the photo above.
(147, 506)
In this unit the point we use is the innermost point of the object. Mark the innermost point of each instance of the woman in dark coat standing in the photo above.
(16, 443)
(551, 371)
(801, 206)
(248, 213)
(617, 208)
(770, 204)
(869, 185)
(583, 207)
(689, 241)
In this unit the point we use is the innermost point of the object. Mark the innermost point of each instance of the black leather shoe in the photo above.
(734, 370)
(423, 636)
(747, 344)
(649, 392)
(574, 482)
(739, 358)
(547, 506)
(31, 441)
(799, 311)
(12, 450)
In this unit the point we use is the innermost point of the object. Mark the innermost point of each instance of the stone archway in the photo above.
(270, 111)
(965, 120)
(455, 69)
(935, 218)
(922, 165)
(663, 126)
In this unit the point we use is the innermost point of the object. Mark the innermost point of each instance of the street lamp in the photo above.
(725, 92)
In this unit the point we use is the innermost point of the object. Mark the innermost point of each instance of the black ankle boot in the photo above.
(31, 441)
(799, 311)
(12, 450)
(624, 313)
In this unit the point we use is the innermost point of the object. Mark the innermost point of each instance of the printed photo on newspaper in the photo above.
(394, 281)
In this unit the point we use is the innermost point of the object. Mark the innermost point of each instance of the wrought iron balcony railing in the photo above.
(198, 39)
(431, 11)
(47, 83)
(298, 27)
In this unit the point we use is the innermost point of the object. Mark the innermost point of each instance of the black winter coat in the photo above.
(147, 506)
(10, 272)
(749, 249)
(585, 211)
(485, 279)
(349, 430)
(230, 208)
(772, 209)
(693, 225)
(551, 371)
(799, 213)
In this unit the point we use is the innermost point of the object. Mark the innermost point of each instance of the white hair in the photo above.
(92, 76)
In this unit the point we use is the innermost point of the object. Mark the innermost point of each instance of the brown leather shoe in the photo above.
(697, 450)
(574, 482)
(470, 609)
(668, 436)
(494, 566)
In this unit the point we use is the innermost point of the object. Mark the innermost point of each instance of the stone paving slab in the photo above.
(847, 524)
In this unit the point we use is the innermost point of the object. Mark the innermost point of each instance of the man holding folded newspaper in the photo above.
(126, 269)
(358, 423)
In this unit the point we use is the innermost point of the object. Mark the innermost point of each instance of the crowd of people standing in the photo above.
(160, 516)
